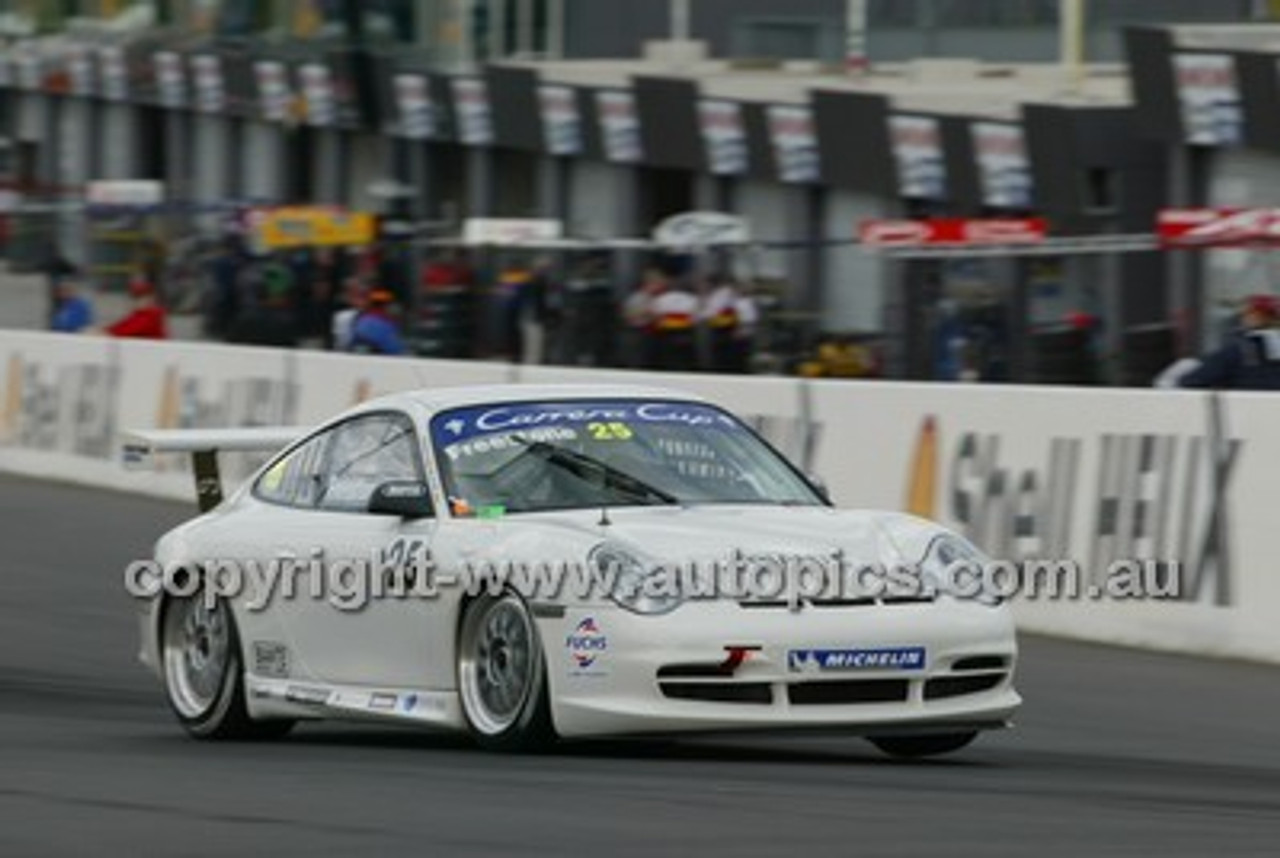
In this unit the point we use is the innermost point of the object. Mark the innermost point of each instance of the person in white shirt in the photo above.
(731, 317)
(344, 320)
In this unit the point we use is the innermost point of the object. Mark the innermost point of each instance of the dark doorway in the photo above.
(664, 193)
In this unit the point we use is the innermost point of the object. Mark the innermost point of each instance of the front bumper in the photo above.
(612, 672)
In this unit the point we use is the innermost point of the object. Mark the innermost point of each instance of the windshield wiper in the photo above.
(576, 463)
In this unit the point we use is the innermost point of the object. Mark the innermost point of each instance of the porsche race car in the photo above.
(543, 563)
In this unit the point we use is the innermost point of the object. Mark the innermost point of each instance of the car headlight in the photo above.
(954, 566)
(632, 585)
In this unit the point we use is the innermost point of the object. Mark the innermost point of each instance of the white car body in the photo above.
(609, 671)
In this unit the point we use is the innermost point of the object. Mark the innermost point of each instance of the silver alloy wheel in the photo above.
(498, 666)
(197, 654)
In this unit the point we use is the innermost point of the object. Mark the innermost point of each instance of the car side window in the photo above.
(362, 455)
(294, 480)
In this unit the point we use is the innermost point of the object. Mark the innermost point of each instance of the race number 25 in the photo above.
(610, 431)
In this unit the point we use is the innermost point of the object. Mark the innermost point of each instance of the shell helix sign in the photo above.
(295, 227)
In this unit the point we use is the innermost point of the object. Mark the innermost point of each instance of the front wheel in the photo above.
(502, 679)
(203, 674)
(917, 747)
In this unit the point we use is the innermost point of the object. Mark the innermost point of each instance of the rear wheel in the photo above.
(917, 747)
(203, 673)
(502, 679)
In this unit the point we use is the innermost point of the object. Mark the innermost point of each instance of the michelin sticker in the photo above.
(835, 660)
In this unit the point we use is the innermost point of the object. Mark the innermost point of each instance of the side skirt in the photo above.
(284, 698)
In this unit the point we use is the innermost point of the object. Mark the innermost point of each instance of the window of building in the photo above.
(388, 20)
(788, 39)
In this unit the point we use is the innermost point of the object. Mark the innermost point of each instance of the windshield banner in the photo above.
(463, 425)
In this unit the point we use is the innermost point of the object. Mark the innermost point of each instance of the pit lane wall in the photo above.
(1184, 482)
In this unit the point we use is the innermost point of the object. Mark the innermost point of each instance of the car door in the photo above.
(340, 629)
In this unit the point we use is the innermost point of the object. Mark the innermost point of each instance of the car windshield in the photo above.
(544, 456)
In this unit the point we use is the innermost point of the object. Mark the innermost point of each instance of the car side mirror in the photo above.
(404, 499)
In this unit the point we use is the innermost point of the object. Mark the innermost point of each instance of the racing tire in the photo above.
(204, 674)
(502, 676)
(919, 747)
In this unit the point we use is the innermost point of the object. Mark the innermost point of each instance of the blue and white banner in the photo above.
(561, 119)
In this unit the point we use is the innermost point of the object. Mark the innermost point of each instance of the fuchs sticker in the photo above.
(850, 660)
(586, 644)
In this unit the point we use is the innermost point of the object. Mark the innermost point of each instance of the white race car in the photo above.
(527, 563)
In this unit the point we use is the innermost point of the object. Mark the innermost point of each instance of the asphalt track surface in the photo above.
(1115, 753)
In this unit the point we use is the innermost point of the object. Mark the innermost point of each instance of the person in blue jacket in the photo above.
(72, 312)
(1251, 361)
(375, 331)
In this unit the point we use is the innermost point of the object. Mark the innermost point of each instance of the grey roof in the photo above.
(962, 87)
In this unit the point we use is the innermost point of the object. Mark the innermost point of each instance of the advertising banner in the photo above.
(1003, 166)
(725, 136)
(620, 126)
(1227, 227)
(210, 90)
(1083, 489)
(80, 72)
(795, 143)
(171, 80)
(561, 119)
(311, 226)
(28, 66)
(952, 231)
(113, 73)
(1209, 97)
(917, 150)
(413, 100)
(275, 96)
(474, 113)
(316, 85)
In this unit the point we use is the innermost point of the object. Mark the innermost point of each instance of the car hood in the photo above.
(716, 533)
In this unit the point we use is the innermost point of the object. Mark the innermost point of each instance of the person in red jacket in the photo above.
(148, 320)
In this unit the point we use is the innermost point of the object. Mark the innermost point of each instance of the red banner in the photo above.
(1219, 227)
(953, 231)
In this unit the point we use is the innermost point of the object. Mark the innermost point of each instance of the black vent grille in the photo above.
(959, 686)
(758, 693)
(845, 692)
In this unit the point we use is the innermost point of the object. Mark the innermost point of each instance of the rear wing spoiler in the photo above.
(140, 447)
